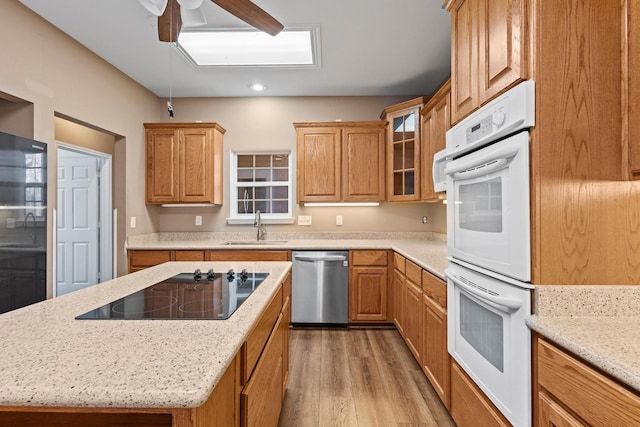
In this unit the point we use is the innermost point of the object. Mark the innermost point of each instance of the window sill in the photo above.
(250, 221)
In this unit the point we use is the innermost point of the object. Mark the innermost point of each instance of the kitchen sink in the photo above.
(255, 242)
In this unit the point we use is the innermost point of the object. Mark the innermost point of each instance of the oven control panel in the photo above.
(508, 113)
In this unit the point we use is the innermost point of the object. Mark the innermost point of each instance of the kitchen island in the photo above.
(163, 371)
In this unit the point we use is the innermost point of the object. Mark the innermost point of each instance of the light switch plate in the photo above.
(132, 222)
(304, 219)
(338, 219)
(198, 219)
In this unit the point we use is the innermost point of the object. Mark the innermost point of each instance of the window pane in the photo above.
(263, 192)
(280, 175)
(245, 175)
(280, 206)
(281, 161)
(245, 193)
(263, 161)
(245, 207)
(263, 206)
(280, 192)
(245, 161)
(29, 193)
(262, 175)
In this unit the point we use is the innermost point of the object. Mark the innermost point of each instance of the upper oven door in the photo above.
(488, 207)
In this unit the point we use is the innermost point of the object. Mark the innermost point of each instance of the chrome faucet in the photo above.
(33, 231)
(258, 223)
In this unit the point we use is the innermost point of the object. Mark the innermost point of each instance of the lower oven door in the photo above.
(488, 337)
(488, 207)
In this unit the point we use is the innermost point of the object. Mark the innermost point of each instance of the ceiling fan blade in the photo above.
(154, 6)
(252, 15)
(170, 22)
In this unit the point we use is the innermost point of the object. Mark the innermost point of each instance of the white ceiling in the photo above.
(368, 47)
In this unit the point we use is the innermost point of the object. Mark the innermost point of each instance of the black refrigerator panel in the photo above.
(23, 221)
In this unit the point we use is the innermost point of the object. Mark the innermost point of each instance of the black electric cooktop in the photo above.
(192, 296)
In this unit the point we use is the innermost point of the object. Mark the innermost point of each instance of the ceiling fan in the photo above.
(174, 14)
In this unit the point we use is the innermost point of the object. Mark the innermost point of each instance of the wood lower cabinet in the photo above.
(413, 309)
(399, 291)
(141, 259)
(488, 51)
(248, 255)
(184, 163)
(469, 406)
(368, 287)
(436, 362)
(261, 398)
(349, 156)
(571, 393)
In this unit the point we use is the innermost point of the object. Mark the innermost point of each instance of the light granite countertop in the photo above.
(50, 359)
(428, 250)
(600, 324)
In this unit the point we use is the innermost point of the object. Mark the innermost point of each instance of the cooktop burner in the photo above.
(185, 296)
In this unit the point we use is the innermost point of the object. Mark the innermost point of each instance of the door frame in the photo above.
(106, 264)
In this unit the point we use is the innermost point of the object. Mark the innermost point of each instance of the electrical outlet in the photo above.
(11, 223)
(132, 222)
(424, 219)
(198, 219)
(338, 219)
(304, 219)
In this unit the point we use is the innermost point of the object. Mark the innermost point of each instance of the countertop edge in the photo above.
(549, 328)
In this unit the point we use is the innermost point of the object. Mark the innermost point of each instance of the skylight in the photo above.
(246, 48)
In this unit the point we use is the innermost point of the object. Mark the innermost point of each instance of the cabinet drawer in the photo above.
(414, 273)
(368, 257)
(435, 288)
(189, 256)
(589, 394)
(398, 262)
(261, 398)
(258, 336)
(242, 255)
(148, 258)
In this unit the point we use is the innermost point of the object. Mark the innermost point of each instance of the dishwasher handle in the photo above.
(307, 258)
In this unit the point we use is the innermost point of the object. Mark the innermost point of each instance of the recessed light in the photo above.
(258, 87)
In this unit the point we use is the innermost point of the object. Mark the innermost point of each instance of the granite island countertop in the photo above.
(600, 324)
(428, 250)
(50, 359)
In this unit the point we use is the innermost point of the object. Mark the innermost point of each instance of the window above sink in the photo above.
(264, 182)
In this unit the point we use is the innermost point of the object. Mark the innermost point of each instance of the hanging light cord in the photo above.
(169, 103)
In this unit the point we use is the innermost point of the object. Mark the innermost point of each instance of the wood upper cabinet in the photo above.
(488, 51)
(184, 163)
(403, 150)
(368, 286)
(435, 119)
(340, 161)
(631, 102)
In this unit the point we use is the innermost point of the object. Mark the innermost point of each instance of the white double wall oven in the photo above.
(488, 241)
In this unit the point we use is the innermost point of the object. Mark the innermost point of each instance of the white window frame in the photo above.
(267, 218)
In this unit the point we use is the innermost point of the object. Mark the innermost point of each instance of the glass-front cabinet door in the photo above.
(404, 152)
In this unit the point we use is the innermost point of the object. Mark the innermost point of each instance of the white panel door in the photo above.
(77, 222)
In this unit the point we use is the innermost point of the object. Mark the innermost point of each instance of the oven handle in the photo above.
(501, 303)
(490, 161)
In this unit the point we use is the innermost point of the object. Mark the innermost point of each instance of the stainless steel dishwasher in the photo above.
(320, 288)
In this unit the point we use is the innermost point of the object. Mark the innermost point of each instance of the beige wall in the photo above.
(261, 123)
(48, 69)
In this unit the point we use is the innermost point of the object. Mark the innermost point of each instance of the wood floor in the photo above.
(357, 378)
